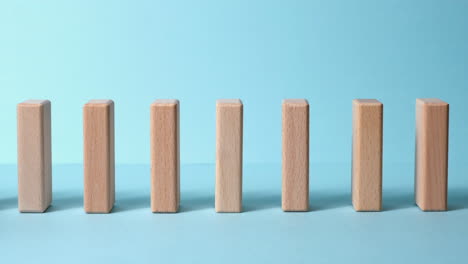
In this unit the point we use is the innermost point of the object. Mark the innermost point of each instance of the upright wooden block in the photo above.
(295, 189)
(367, 155)
(165, 162)
(432, 126)
(34, 156)
(229, 123)
(98, 132)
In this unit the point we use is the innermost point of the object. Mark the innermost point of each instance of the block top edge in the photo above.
(33, 102)
(165, 102)
(431, 101)
(229, 101)
(367, 102)
(99, 102)
(295, 102)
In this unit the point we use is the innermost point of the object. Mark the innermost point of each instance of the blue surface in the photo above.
(330, 233)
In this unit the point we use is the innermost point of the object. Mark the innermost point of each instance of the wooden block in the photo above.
(432, 126)
(98, 132)
(295, 189)
(367, 155)
(229, 123)
(165, 162)
(34, 156)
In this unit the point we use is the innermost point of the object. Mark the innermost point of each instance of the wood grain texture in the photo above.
(229, 126)
(99, 166)
(165, 161)
(34, 156)
(295, 170)
(367, 155)
(432, 126)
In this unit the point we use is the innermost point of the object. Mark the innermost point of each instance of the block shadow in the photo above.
(65, 201)
(195, 201)
(131, 202)
(8, 203)
(257, 201)
(328, 200)
(458, 199)
(395, 200)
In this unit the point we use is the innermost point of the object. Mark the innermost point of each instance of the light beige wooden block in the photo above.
(367, 155)
(165, 162)
(34, 156)
(295, 189)
(98, 132)
(432, 126)
(229, 125)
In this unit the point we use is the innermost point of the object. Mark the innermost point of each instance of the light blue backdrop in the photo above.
(329, 52)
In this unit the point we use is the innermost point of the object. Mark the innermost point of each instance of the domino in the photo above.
(367, 155)
(34, 156)
(295, 169)
(432, 127)
(229, 126)
(165, 161)
(99, 164)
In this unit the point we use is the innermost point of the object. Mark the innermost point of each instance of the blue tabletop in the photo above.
(332, 232)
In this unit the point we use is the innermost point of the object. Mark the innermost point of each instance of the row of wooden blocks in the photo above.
(35, 173)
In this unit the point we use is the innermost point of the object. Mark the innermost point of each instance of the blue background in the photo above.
(328, 52)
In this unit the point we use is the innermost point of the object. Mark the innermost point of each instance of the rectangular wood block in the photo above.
(432, 127)
(99, 166)
(295, 189)
(34, 156)
(165, 161)
(367, 155)
(229, 125)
